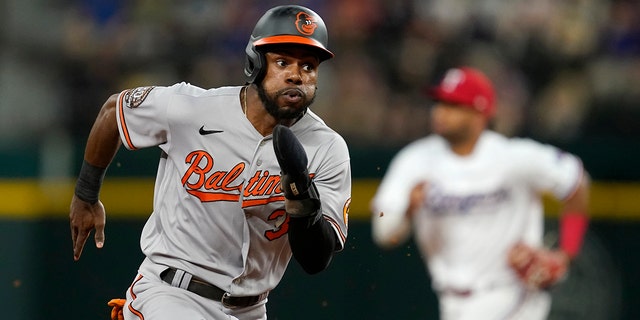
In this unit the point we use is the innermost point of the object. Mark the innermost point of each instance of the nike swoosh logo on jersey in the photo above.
(205, 132)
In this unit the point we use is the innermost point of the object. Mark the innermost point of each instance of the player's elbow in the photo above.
(313, 260)
(578, 200)
(108, 110)
(315, 267)
(111, 102)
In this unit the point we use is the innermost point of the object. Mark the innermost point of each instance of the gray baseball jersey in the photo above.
(218, 210)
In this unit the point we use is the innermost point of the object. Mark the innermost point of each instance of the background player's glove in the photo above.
(302, 199)
(538, 268)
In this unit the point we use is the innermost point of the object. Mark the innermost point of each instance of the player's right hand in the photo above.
(83, 218)
(538, 268)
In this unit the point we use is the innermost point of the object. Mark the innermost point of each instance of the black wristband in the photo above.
(89, 182)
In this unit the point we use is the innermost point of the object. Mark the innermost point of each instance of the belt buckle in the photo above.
(225, 297)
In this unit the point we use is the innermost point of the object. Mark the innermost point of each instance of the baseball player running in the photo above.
(248, 177)
(472, 199)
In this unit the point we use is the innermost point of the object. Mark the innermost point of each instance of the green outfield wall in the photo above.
(40, 280)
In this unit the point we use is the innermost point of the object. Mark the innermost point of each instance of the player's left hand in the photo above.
(302, 199)
(83, 218)
(293, 163)
(538, 267)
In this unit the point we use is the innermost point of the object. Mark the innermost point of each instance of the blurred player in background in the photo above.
(248, 178)
(473, 200)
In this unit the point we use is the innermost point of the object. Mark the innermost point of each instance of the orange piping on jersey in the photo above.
(136, 312)
(335, 224)
(125, 131)
(133, 296)
(213, 196)
(259, 202)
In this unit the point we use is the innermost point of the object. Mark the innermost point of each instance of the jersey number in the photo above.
(281, 227)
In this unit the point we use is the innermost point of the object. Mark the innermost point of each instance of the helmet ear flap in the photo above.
(254, 64)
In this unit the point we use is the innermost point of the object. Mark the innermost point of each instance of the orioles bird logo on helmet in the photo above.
(305, 23)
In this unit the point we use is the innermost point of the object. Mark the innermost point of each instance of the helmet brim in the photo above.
(324, 54)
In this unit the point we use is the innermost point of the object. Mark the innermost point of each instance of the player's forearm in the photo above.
(312, 245)
(579, 200)
(102, 145)
(574, 218)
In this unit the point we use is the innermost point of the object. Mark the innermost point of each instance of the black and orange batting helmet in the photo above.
(288, 24)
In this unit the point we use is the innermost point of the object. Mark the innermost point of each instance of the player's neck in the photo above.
(464, 142)
(257, 114)
(464, 147)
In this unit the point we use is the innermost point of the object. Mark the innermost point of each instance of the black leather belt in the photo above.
(212, 292)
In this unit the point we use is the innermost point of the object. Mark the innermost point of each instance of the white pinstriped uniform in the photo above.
(477, 207)
(218, 211)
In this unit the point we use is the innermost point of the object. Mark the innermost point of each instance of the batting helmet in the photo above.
(288, 24)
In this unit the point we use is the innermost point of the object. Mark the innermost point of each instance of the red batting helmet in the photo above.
(467, 87)
(288, 24)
